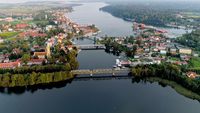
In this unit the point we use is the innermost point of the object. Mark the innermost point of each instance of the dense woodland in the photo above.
(169, 72)
(156, 14)
(191, 40)
(34, 75)
(114, 47)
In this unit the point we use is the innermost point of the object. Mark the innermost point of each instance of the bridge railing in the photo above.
(100, 71)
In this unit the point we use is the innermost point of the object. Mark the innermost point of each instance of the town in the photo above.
(150, 45)
(31, 41)
(45, 40)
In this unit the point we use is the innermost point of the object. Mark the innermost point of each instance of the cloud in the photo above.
(18, 1)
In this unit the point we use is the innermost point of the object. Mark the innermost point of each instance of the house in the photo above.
(40, 55)
(157, 61)
(16, 51)
(195, 54)
(70, 47)
(137, 56)
(9, 19)
(192, 75)
(1, 40)
(6, 60)
(2, 58)
(32, 34)
(173, 51)
(185, 57)
(185, 51)
(163, 52)
(10, 65)
(49, 27)
(36, 62)
(21, 26)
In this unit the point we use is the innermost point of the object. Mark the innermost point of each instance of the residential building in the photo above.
(10, 65)
(185, 51)
(36, 62)
(40, 55)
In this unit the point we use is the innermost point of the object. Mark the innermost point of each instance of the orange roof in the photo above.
(10, 65)
(32, 34)
(40, 53)
(37, 60)
(191, 74)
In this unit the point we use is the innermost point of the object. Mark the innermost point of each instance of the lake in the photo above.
(111, 95)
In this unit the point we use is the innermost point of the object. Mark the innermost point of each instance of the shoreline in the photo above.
(177, 87)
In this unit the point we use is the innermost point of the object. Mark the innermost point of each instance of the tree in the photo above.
(26, 58)
(67, 67)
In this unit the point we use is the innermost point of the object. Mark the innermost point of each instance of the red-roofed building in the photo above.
(36, 62)
(192, 75)
(10, 65)
(40, 55)
(32, 34)
(21, 26)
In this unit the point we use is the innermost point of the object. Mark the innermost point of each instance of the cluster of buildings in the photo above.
(70, 26)
(7, 19)
(32, 33)
(153, 47)
(38, 54)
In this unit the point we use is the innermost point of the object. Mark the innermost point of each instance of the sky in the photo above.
(18, 1)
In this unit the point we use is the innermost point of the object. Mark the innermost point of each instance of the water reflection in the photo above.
(34, 88)
(86, 78)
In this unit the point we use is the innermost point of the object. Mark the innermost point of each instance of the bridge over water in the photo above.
(117, 77)
(92, 72)
(91, 47)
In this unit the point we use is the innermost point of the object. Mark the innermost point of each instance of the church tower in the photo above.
(48, 50)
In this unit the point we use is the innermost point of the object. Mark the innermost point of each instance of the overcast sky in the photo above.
(17, 1)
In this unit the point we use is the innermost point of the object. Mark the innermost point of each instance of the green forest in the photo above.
(191, 40)
(169, 72)
(156, 14)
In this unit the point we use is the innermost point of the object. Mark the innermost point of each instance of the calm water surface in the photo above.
(98, 96)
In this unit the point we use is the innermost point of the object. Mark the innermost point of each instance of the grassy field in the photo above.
(8, 34)
(12, 23)
(194, 62)
(38, 22)
(175, 59)
(195, 15)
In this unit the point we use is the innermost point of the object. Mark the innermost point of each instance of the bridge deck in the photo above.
(90, 46)
(99, 71)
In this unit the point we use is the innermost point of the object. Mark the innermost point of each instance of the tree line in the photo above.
(167, 71)
(22, 80)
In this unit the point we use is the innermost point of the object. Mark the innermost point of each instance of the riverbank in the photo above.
(155, 14)
(35, 75)
(168, 72)
(177, 87)
(33, 79)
